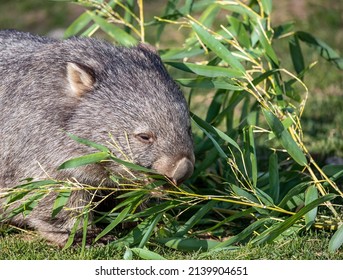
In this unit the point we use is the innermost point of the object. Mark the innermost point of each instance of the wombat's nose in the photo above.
(183, 170)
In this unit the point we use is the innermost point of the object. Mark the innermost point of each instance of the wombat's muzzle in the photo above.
(177, 171)
(183, 170)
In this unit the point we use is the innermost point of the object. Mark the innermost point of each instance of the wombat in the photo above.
(89, 88)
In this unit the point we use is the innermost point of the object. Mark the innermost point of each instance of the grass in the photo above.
(312, 246)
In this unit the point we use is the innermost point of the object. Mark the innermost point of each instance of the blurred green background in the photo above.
(323, 116)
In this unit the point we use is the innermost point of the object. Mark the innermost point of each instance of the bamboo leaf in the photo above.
(217, 47)
(188, 244)
(291, 220)
(324, 50)
(274, 182)
(88, 143)
(336, 240)
(112, 30)
(84, 160)
(205, 70)
(114, 223)
(60, 201)
(218, 83)
(296, 54)
(242, 235)
(146, 254)
(150, 229)
(285, 138)
(196, 218)
(311, 194)
(80, 23)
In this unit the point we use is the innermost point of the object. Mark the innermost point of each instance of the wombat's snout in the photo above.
(177, 171)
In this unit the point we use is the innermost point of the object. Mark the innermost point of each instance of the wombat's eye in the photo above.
(146, 138)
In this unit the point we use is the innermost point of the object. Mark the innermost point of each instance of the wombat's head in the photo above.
(128, 92)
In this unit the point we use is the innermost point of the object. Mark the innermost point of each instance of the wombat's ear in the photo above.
(80, 78)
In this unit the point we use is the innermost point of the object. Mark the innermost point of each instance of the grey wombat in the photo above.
(89, 88)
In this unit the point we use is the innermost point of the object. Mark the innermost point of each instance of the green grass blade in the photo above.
(336, 240)
(311, 194)
(217, 47)
(285, 138)
(84, 160)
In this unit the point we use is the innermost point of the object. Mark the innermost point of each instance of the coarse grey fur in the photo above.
(89, 88)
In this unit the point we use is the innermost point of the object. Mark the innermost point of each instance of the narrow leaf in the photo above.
(112, 30)
(274, 182)
(195, 218)
(114, 223)
(217, 47)
(84, 160)
(311, 194)
(60, 201)
(336, 240)
(285, 138)
(188, 244)
(150, 230)
(147, 254)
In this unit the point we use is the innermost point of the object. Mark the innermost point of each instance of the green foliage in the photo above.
(255, 179)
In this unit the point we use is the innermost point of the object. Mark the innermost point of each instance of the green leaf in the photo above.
(114, 223)
(80, 23)
(217, 47)
(274, 182)
(128, 254)
(88, 143)
(208, 83)
(267, 6)
(285, 138)
(265, 42)
(60, 201)
(72, 233)
(205, 70)
(324, 50)
(188, 244)
(250, 154)
(242, 235)
(146, 254)
(311, 194)
(336, 240)
(196, 218)
(291, 220)
(133, 166)
(150, 229)
(296, 54)
(84, 160)
(112, 30)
